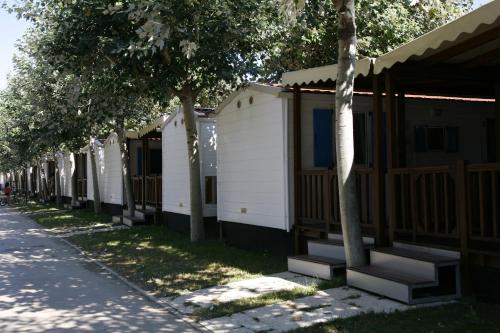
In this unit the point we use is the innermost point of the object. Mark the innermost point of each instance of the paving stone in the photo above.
(331, 304)
(204, 298)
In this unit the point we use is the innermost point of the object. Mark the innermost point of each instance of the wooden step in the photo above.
(330, 248)
(420, 264)
(315, 266)
(394, 275)
(417, 255)
(386, 282)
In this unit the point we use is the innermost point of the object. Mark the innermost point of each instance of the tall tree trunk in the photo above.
(127, 177)
(45, 186)
(57, 180)
(344, 130)
(196, 222)
(95, 176)
(74, 182)
(39, 181)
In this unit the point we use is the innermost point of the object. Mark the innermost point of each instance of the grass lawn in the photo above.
(229, 308)
(51, 217)
(465, 317)
(168, 264)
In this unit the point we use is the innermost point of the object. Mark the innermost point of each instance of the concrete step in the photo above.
(316, 266)
(117, 219)
(143, 214)
(133, 221)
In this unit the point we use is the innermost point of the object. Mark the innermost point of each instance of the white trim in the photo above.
(323, 73)
(264, 88)
(448, 35)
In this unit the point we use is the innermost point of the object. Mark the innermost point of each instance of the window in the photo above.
(360, 138)
(323, 138)
(210, 190)
(436, 139)
(155, 161)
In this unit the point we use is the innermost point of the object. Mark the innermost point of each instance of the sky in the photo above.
(12, 29)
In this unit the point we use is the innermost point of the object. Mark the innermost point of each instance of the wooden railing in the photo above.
(153, 191)
(460, 203)
(81, 185)
(320, 202)
(137, 189)
(422, 202)
(483, 201)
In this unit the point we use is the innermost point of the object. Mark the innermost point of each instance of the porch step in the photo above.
(133, 221)
(329, 248)
(117, 219)
(408, 275)
(413, 262)
(316, 266)
(143, 214)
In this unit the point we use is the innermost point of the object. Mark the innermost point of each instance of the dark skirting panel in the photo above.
(485, 283)
(112, 209)
(256, 238)
(180, 223)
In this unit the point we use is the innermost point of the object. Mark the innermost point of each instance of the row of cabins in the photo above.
(426, 122)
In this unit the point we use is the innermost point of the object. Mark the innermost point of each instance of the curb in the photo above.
(149, 296)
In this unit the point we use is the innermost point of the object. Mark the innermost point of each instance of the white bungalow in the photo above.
(175, 167)
(89, 193)
(112, 176)
(66, 164)
(255, 159)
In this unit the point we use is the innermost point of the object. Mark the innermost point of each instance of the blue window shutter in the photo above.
(451, 139)
(420, 139)
(139, 161)
(323, 146)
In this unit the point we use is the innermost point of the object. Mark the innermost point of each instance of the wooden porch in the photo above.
(450, 206)
(146, 168)
(153, 193)
(81, 176)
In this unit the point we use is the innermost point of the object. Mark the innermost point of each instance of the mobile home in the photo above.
(175, 170)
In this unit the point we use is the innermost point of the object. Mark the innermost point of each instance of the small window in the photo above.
(360, 143)
(435, 138)
(210, 190)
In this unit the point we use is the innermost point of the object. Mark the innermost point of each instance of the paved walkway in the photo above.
(46, 286)
(205, 298)
(327, 305)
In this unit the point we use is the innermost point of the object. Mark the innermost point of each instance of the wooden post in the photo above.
(461, 206)
(378, 168)
(401, 132)
(390, 107)
(297, 159)
(144, 173)
(497, 121)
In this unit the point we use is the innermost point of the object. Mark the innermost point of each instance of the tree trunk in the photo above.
(127, 177)
(344, 130)
(45, 186)
(57, 180)
(74, 182)
(39, 182)
(196, 222)
(95, 177)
